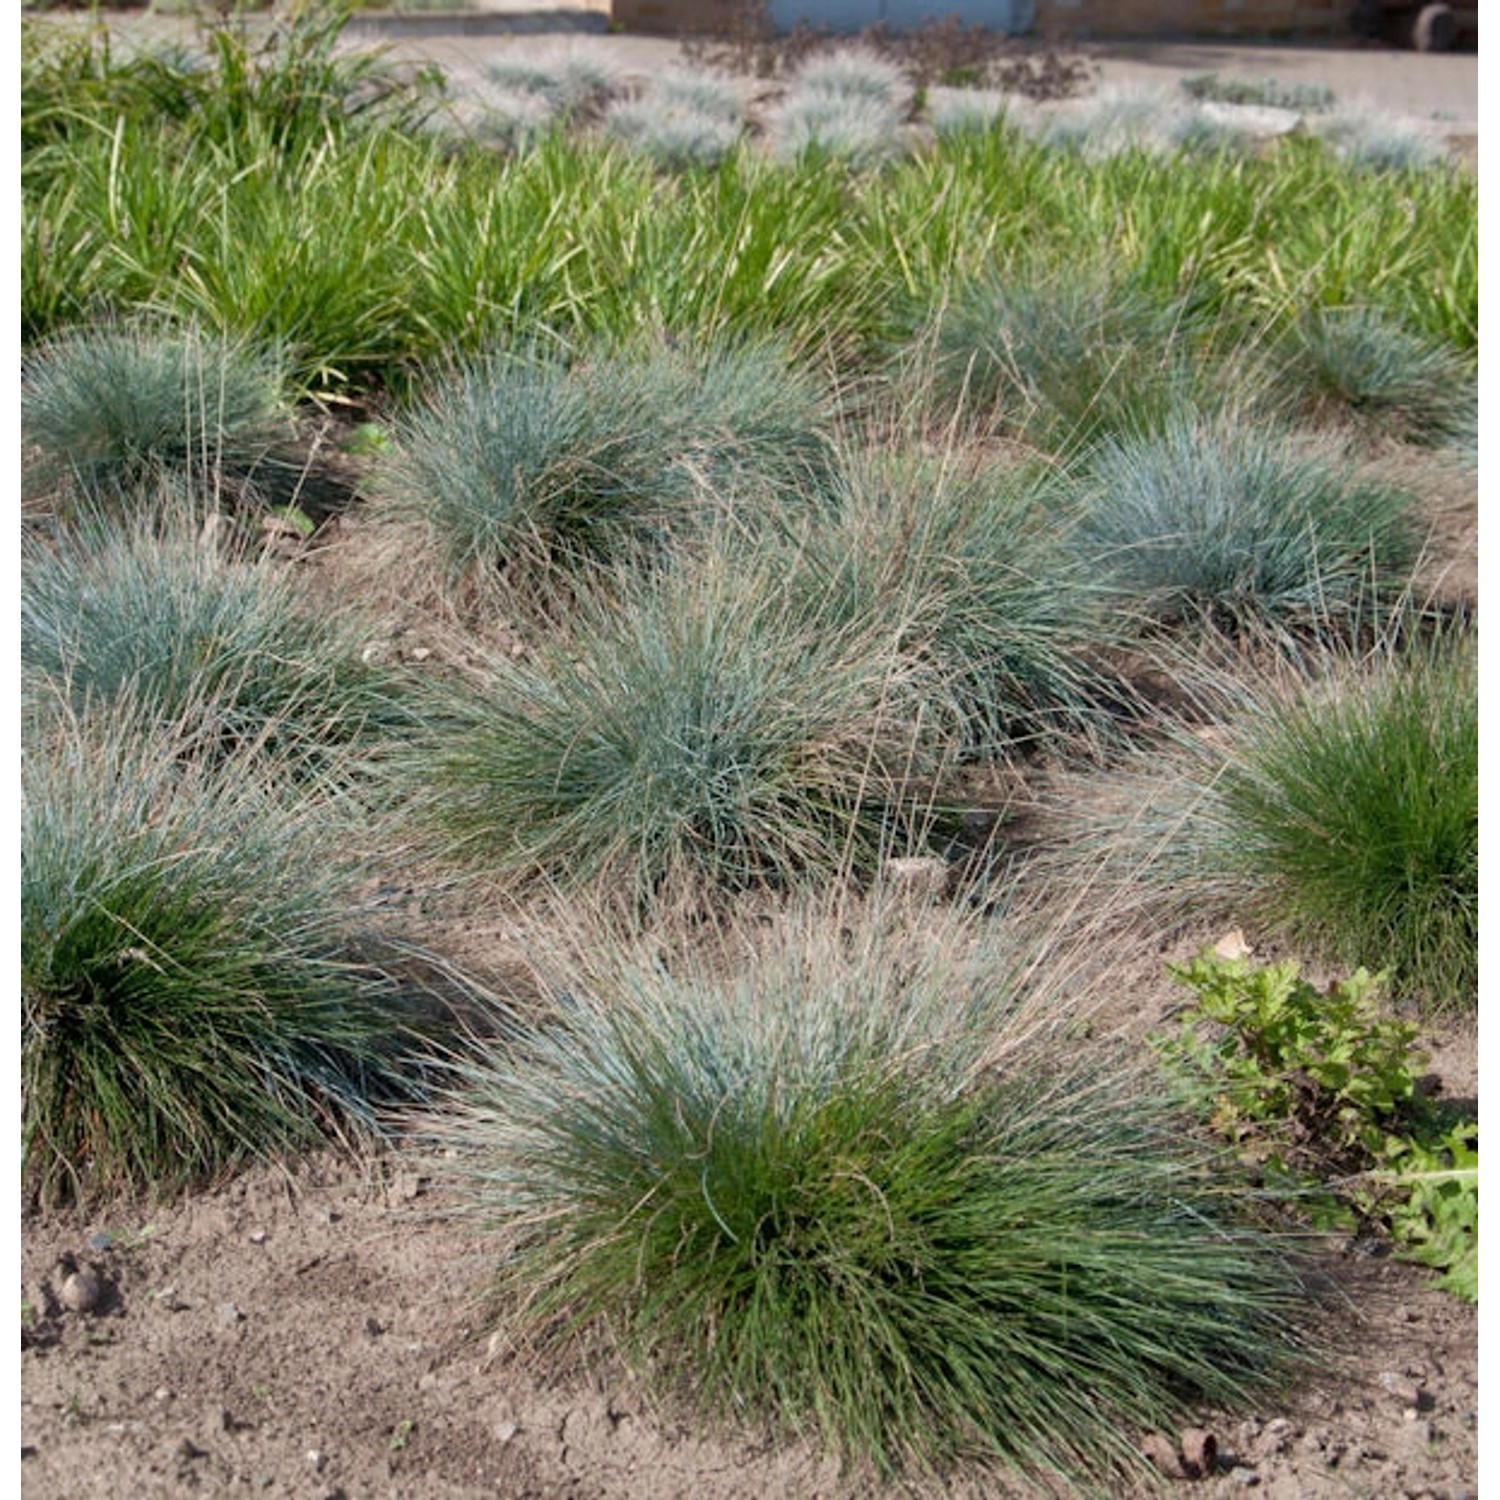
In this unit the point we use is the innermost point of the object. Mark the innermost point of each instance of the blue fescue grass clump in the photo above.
(574, 87)
(973, 561)
(677, 135)
(1064, 355)
(688, 736)
(522, 456)
(1262, 92)
(858, 130)
(848, 105)
(1244, 528)
(957, 112)
(1373, 142)
(190, 994)
(1364, 363)
(159, 614)
(113, 408)
(862, 1182)
(852, 73)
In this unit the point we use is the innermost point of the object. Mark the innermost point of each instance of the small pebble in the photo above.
(1242, 1475)
(80, 1291)
(229, 1314)
(163, 1393)
(317, 1459)
(1402, 1387)
(101, 1241)
(258, 1236)
(1277, 1436)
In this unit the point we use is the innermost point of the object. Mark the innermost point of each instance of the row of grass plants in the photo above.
(368, 250)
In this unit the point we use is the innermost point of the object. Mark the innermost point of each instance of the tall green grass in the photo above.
(861, 1182)
(237, 84)
(1357, 811)
(192, 990)
(369, 251)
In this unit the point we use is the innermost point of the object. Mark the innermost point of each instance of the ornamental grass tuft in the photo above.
(109, 410)
(1366, 364)
(191, 991)
(1355, 812)
(527, 457)
(1244, 528)
(1061, 357)
(974, 560)
(687, 736)
(849, 105)
(154, 612)
(862, 1182)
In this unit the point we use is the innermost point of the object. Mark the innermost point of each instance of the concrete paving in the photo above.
(1402, 84)
(1440, 87)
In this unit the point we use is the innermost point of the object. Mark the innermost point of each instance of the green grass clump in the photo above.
(1361, 361)
(862, 1187)
(1356, 812)
(529, 457)
(238, 88)
(157, 615)
(190, 994)
(1241, 527)
(110, 409)
(686, 737)
(1341, 813)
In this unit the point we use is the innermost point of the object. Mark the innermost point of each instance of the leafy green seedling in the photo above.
(1323, 1094)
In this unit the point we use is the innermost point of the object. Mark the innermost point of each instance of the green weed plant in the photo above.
(1325, 1096)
